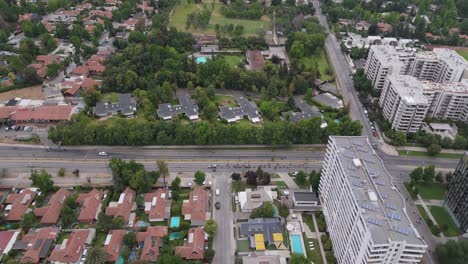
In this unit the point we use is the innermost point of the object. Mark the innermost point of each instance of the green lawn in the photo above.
(110, 97)
(179, 16)
(464, 53)
(307, 219)
(233, 60)
(221, 99)
(445, 222)
(280, 184)
(313, 255)
(322, 64)
(431, 191)
(425, 154)
(243, 246)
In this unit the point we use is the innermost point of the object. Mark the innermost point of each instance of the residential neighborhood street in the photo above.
(223, 242)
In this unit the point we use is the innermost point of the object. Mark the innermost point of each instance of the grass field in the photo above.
(221, 99)
(179, 17)
(425, 154)
(307, 219)
(444, 221)
(280, 184)
(464, 53)
(243, 246)
(431, 191)
(312, 255)
(233, 60)
(426, 219)
(322, 64)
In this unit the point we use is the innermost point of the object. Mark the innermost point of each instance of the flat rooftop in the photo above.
(409, 88)
(381, 205)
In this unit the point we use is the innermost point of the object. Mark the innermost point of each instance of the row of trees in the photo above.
(312, 179)
(240, 9)
(120, 131)
(133, 174)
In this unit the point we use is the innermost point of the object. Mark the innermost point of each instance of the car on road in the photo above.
(374, 146)
(217, 192)
(102, 153)
(218, 205)
(212, 166)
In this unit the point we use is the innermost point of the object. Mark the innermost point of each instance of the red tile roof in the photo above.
(43, 113)
(113, 244)
(20, 203)
(50, 213)
(156, 204)
(38, 240)
(196, 207)
(7, 239)
(101, 13)
(124, 206)
(70, 250)
(81, 70)
(194, 247)
(255, 59)
(152, 241)
(7, 111)
(384, 27)
(91, 205)
(48, 59)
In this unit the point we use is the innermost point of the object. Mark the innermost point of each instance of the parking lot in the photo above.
(23, 133)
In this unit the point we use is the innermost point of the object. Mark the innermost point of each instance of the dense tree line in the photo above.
(240, 9)
(453, 252)
(198, 19)
(131, 174)
(82, 130)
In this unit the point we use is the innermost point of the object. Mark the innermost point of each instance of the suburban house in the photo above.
(75, 86)
(50, 213)
(157, 205)
(255, 60)
(250, 200)
(42, 62)
(7, 240)
(195, 208)
(262, 230)
(301, 200)
(126, 106)
(151, 240)
(329, 100)
(186, 106)
(71, 249)
(113, 244)
(124, 206)
(307, 112)
(90, 206)
(37, 244)
(194, 246)
(246, 108)
(18, 204)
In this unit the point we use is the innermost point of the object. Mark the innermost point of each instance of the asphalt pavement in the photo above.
(223, 242)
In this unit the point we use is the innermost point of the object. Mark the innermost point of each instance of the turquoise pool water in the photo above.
(174, 235)
(200, 60)
(296, 244)
(175, 222)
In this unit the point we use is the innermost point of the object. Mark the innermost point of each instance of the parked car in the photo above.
(217, 192)
(374, 146)
(218, 205)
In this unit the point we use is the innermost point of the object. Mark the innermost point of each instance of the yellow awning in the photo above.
(277, 237)
(259, 242)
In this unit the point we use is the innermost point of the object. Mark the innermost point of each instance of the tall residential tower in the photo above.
(365, 213)
(456, 198)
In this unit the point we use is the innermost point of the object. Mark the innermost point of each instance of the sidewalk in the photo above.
(421, 202)
(421, 149)
(317, 233)
(288, 180)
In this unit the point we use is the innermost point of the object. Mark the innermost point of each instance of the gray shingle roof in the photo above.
(265, 226)
(246, 108)
(126, 106)
(186, 106)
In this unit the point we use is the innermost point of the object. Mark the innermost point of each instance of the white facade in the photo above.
(403, 103)
(386, 60)
(439, 65)
(365, 214)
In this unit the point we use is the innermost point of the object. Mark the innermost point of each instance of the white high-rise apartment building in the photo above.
(406, 101)
(365, 213)
(439, 65)
(403, 103)
(384, 60)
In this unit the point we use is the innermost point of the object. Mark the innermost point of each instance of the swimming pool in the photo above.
(174, 235)
(200, 60)
(296, 244)
(175, 222)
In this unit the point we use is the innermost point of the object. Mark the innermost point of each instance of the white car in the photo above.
(102, 153)
(217, 192)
